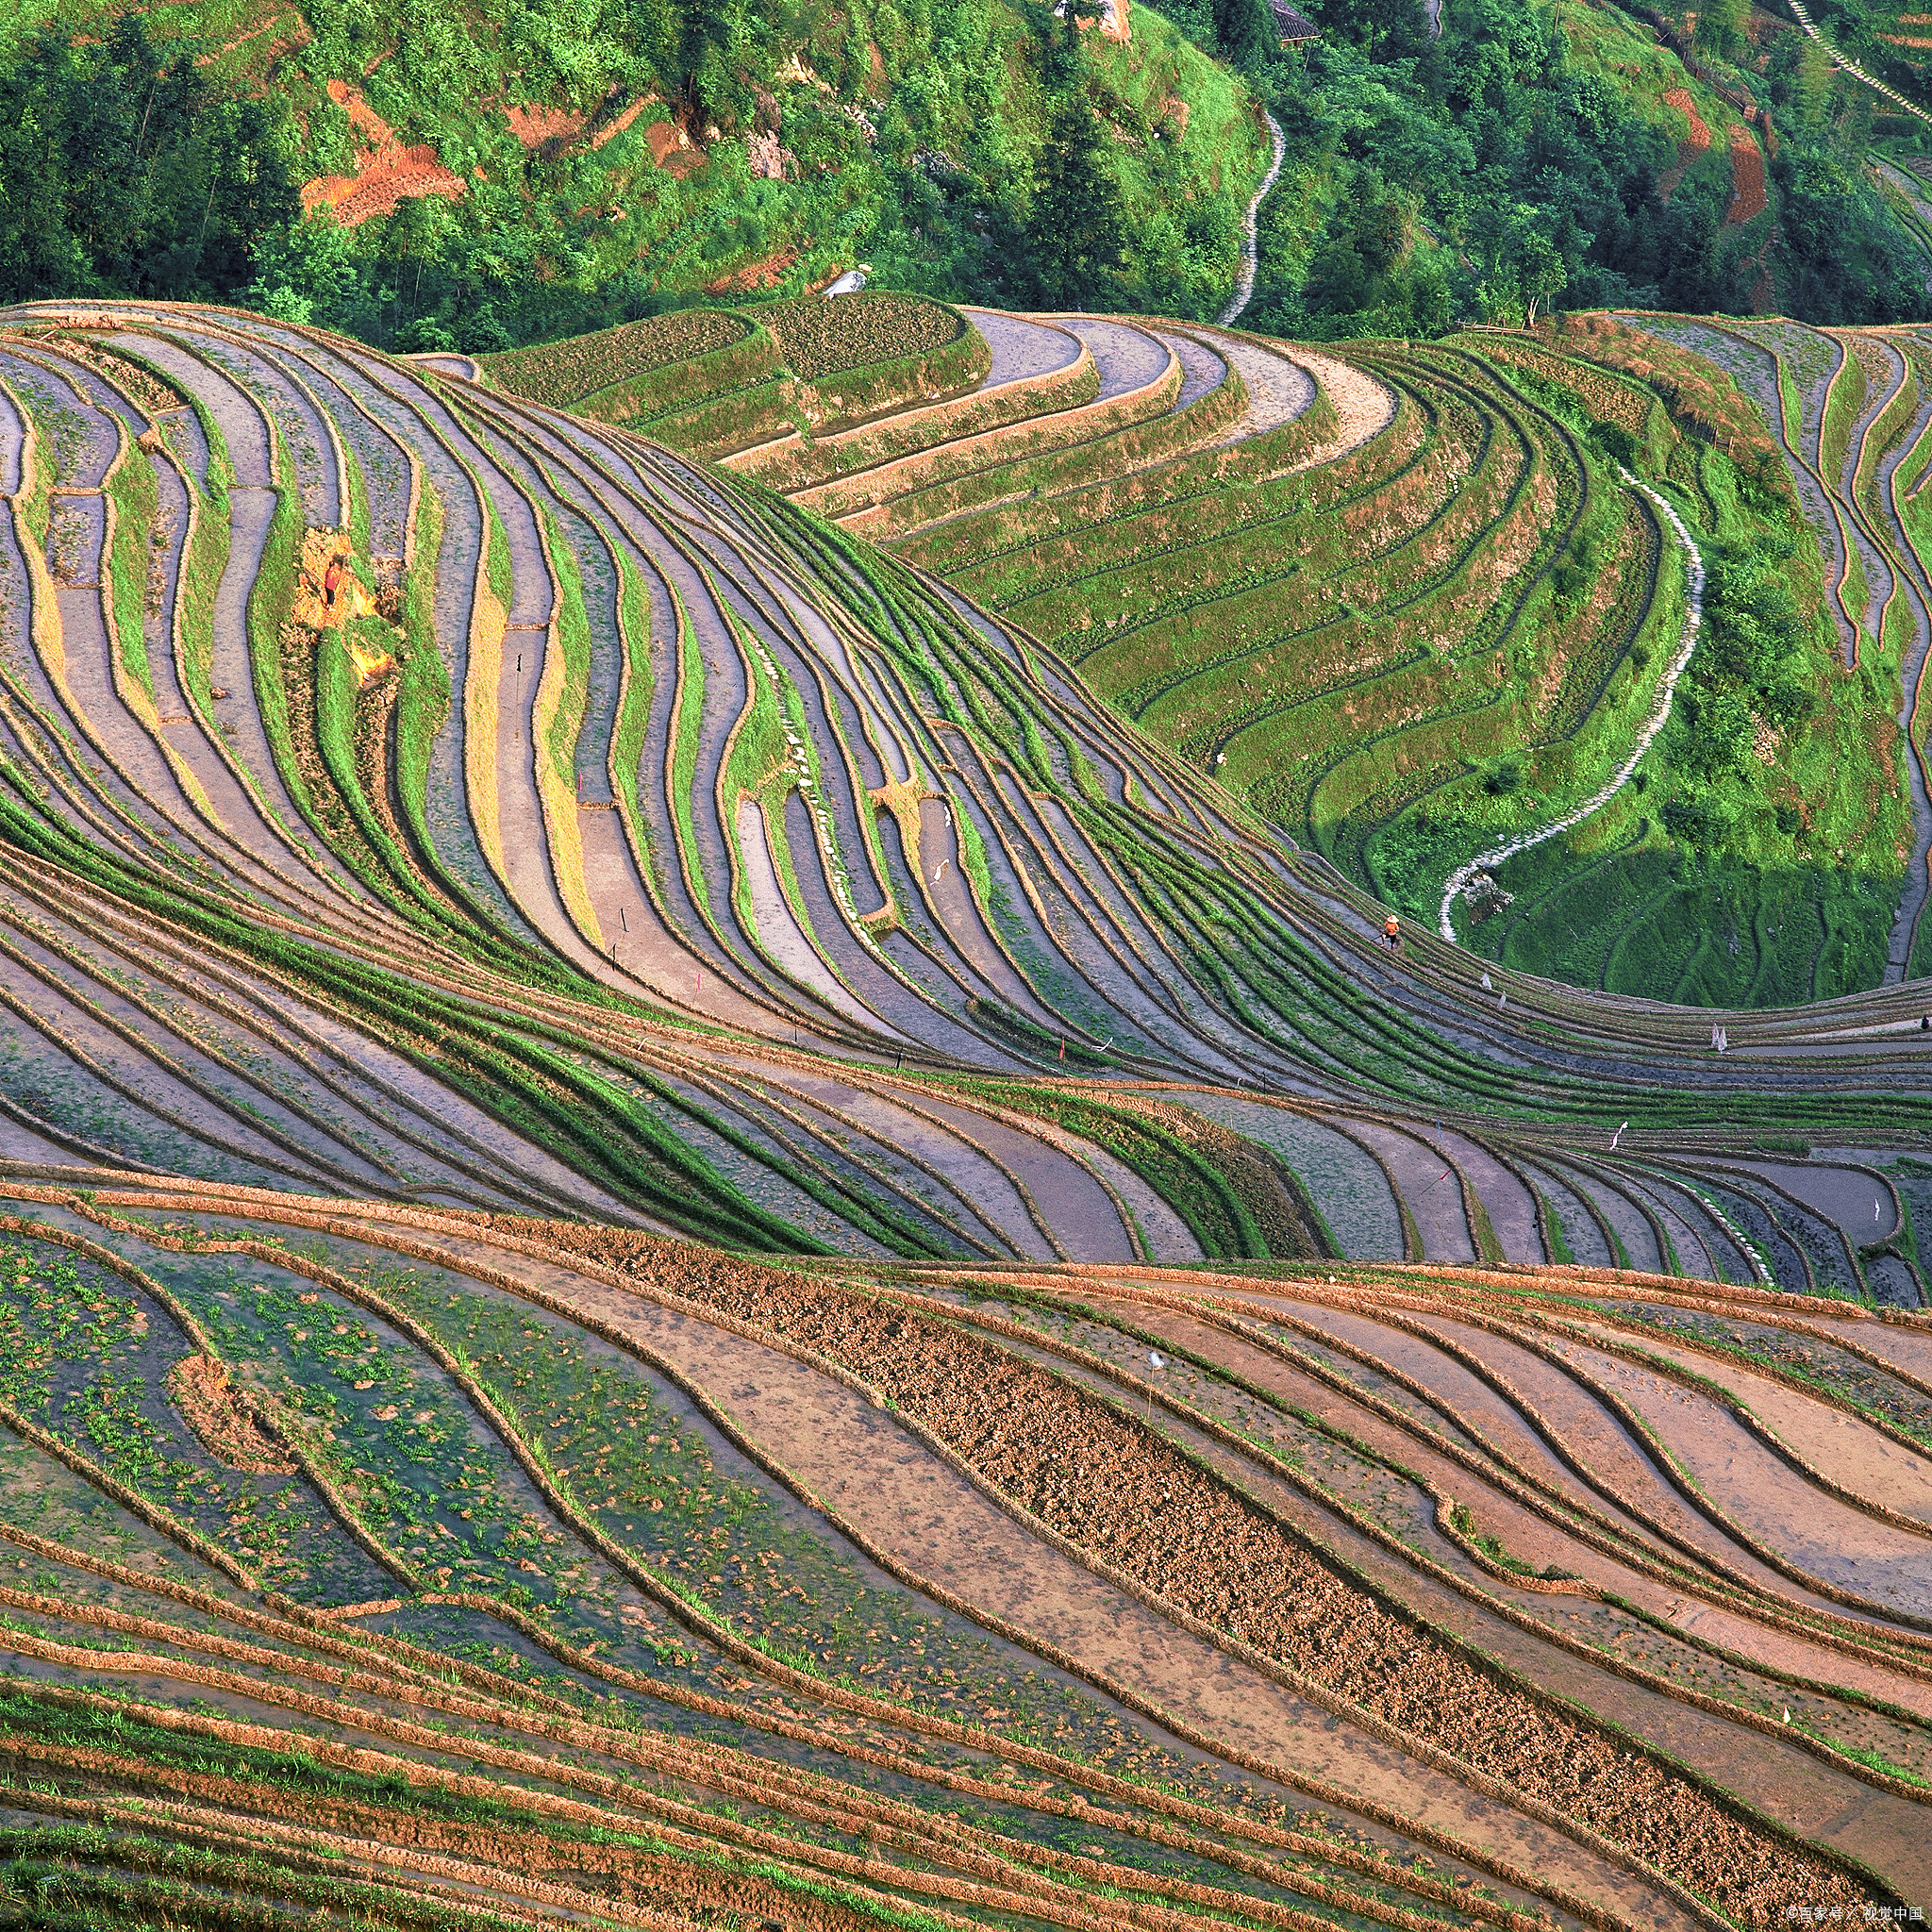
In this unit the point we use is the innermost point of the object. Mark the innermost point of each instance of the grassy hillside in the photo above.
(1763, 853)
(479, 178)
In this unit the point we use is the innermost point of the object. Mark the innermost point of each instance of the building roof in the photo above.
(1292, 23)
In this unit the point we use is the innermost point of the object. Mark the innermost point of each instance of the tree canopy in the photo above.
(126, 170)
(1501, 170)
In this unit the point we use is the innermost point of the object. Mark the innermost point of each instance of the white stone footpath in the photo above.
(1244, 272)
(1851, 67)
(1666, 691)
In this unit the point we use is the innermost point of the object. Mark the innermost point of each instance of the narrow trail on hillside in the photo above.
(1244, 274)
(1857, 73)
(1667, 692)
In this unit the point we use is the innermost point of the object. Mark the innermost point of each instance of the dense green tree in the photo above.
(128, 170)
(1751, 666)
(1076, 232)
(1387, 29)
(1244, 33)
(1721, 25)
(715, 42)
(1842, 257)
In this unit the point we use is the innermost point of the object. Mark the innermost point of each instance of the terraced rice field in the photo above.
(1409, 604)
(1305, 575)
(577, 830)
(412, 1566)
(602, 1085)
(1853, 418)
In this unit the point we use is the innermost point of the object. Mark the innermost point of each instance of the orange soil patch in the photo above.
(534, 125)
(623, 121)
(330, 596)
(362, 117)
(1906, 39)
(1748, 198)
(1699, 137)
(300, 37)
(386, 171)
(1113, 22)
(672, 148)
(767, 273)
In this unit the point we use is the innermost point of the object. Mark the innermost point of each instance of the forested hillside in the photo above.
(1581, 155)
(428, 178)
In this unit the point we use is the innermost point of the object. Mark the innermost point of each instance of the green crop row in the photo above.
(822, 338)
(581, 367)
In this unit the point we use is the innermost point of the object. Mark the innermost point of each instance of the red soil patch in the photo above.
(672, 148)
(767, 273)
(1699, 137)
(561, 129)
(386, 171)
(1693, 145)
(534, 125)
(1748, 199)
